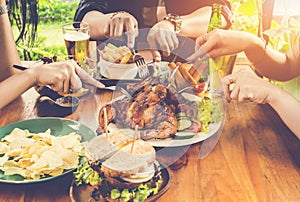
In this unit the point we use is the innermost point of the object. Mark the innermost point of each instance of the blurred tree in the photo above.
(24, 15)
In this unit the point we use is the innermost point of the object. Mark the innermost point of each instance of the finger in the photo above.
(57, 86)
(235, 93)
(107, 30)
(118, 28)
(201, 40)
(171, 42)
(156, 56)
(66, 84)
(131, 34)
(75, 81)
(111, 29)
(226, 81)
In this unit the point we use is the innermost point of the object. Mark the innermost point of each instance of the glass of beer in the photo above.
(76, 36)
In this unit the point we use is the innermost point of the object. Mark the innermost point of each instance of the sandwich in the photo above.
(122, 163)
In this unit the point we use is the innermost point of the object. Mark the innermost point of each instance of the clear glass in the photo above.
(76, 36)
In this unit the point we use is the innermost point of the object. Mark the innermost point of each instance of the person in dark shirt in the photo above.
(111, 18)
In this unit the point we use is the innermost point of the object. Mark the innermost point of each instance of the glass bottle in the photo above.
(215, 18)
(223, 64)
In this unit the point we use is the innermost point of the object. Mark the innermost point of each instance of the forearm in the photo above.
(14, 86)
(288, 108)
(8, 51)
(196, 23)
(269, 62)
(97, 22)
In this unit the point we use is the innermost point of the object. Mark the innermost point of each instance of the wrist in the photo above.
(274, 95)
(31, 76)
(176, 20)
(3, 9)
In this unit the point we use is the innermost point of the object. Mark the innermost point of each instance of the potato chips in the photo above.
(37, 155)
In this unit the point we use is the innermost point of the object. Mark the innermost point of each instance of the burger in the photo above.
(120, 167)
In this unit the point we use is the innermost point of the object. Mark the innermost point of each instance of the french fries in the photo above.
(184, 70)
(190, 74)
(114, 54)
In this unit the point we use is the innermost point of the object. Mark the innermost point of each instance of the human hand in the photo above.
(63, 76)
(247, 86)
(121, 22)
(162, 36)
(221, 42)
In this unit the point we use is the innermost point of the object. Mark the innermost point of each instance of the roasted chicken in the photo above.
(153, 107)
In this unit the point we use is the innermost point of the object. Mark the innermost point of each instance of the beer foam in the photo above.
(76, 36)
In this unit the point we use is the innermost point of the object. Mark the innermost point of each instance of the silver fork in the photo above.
(141, 64)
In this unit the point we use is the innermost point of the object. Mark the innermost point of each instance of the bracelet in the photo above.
(116, 13)
(3, 9)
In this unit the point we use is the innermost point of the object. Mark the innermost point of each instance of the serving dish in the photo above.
(117, 71)
(213, 90)
(177, 142)
(58, 126)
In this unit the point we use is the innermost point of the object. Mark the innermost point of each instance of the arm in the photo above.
(61, 76)
(245, 88)
(162, 35)
(196, 23)
(9, 54)
(267, 61)
(106, 24)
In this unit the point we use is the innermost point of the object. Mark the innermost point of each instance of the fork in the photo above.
(141, 64)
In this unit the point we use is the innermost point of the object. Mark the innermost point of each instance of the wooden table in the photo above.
(257, 157)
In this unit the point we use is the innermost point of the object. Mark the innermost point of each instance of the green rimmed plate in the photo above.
(58, 126)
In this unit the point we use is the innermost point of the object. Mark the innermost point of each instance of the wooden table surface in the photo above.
(257, 157)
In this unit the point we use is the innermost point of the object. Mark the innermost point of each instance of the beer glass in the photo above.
(76, 36)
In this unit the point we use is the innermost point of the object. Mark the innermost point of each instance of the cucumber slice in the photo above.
(183, 123)
(184, 135)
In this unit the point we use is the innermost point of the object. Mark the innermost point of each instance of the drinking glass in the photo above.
(76, 36)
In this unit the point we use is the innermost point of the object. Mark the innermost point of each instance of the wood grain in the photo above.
(257, 157)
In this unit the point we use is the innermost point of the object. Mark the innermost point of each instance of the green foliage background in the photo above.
(48, 41)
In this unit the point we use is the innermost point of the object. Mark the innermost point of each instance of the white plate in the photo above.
(171, 142)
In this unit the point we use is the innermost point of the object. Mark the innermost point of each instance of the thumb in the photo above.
(156, 56)
(87, 78)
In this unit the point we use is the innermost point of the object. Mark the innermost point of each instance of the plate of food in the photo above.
(41, 149)
(120, 168)
(168, 112)
(116, 64)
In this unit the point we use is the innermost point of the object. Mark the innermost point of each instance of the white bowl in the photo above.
(117, 71)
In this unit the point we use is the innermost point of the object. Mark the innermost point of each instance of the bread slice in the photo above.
(101, 147)
(124, 163)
